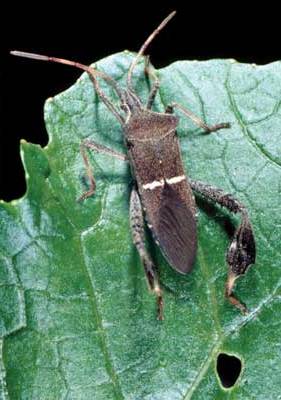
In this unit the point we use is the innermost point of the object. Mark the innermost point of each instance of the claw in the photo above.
(230, 295)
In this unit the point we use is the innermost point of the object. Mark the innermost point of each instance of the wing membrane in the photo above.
(176, 231)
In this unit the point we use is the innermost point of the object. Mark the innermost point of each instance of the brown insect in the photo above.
(162, 191)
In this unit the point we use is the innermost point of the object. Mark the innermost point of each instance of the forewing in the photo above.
(176, 230)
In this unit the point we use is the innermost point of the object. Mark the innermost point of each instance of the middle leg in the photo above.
(137, 228)
(91, 145)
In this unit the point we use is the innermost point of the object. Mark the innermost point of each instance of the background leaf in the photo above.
(76, 318)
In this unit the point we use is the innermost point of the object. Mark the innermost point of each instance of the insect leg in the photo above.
(149, 70)
(242, 250)
(89, 144)
(198, 121)
(137, 228)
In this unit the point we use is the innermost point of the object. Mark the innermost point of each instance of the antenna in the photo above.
(93, 73)
(144, 47)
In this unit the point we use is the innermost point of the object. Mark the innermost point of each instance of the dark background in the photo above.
(89, 31)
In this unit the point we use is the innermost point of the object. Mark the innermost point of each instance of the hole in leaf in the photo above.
(228, 369)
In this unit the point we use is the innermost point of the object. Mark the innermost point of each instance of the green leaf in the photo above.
(76, 318)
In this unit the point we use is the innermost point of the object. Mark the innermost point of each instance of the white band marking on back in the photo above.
(153, 185)
(170, 181)
(175, 179)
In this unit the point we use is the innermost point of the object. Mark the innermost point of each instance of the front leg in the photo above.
(137, 228)
(242, 250)
(150, 72)
(91, 145)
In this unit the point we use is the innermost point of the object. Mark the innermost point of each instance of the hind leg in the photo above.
(137, 228)
(242, 250)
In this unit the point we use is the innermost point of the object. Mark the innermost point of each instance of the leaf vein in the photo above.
(104, 346)
(246, 132)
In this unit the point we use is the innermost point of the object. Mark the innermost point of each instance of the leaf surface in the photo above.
(76, 318)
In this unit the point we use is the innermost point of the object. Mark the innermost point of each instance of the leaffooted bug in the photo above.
(162, 192)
